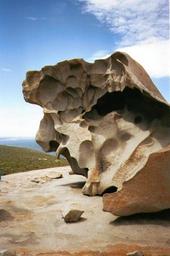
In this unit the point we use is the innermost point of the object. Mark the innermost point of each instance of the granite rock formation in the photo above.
(148, 191)
(112, 124)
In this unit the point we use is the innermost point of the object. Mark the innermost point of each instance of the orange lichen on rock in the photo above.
(148, 191)
(117, 250)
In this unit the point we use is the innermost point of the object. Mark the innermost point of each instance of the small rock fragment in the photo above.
(36, 180)
(71, 173)
(7, 253)
(55, 175)
(49, 177)
(41, 180)
(135, 253)
(73, 216)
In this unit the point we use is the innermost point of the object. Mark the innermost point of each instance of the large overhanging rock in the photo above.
(112, 124)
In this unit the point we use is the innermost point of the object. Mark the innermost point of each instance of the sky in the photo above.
(35, 33)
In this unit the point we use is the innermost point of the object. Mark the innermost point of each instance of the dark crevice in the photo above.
(110, 189)
(109, 102)
(64, 138)
(134, 101)
(76, 185)
(53, 145)
(73, 163)
(138, 119)
(5, 215)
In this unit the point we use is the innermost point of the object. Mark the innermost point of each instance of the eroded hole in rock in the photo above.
(112, 134)
(5, 215)
(138, 119)
(125, 136)
(73, 163)
(83, 124)
(110, 102)
(133, 100)
(53, 145)
(64, 138)
(110, 189)
(91, 128)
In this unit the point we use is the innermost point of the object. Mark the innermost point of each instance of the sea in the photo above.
(20, 142)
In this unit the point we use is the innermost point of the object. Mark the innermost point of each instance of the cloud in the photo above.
(33, 18)
(6, 69)
(101, 54)
(154, 57)
(133, 20)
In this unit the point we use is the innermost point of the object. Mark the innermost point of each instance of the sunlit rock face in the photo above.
(109, 120)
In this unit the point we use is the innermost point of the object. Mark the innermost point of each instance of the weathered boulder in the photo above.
(148, 191)
(110, 121)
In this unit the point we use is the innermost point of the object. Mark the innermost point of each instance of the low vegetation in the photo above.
(15, 159)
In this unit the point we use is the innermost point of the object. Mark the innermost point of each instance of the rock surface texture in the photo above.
(36, 226)
(135, 253)
(112, 124)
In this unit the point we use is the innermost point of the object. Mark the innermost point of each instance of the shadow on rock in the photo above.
(159, 218)
(28, 238)
(78, 184)
(5, 215)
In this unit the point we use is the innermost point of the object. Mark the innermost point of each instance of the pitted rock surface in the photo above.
(110, 121)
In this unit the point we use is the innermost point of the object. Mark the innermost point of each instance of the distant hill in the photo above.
(20, 142)
(16, 159)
